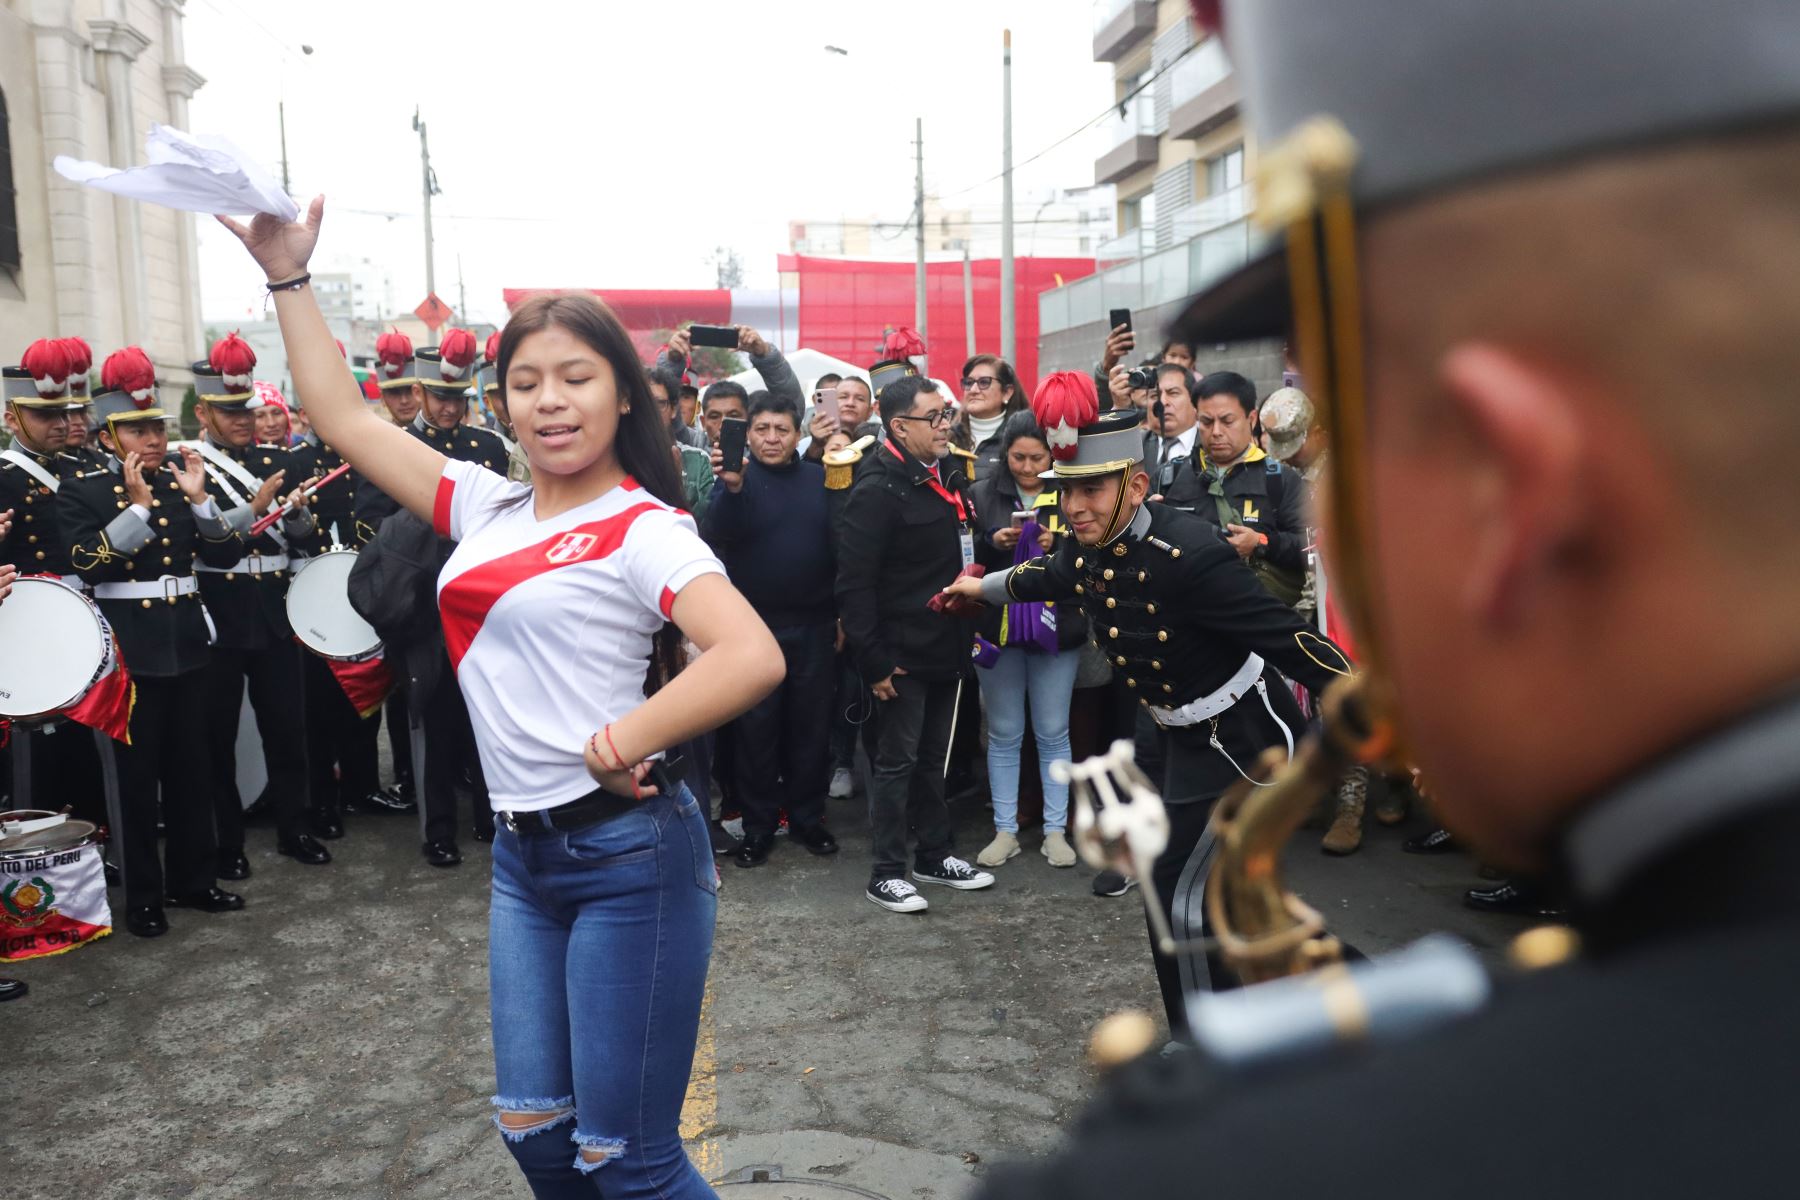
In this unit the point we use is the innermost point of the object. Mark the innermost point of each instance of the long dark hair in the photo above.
(643, 436)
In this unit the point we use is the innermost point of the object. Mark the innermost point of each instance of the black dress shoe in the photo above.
(302, 848)
(755, 850)
(232, 865)
(12, 989)
(1438, 841)
(1515, 898)
(722, 841)
(146, 921)
(386, 801)
(327, 824)
(212, 900)
(818, 839)
(442, 853)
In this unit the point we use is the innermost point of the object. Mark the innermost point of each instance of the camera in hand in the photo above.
(1142, 378)
(713, 335)
(733, 433)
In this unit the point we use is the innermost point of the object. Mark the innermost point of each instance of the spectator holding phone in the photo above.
(722, 400)
(1039, 647)
(769, 523)
(840, 404)
(666, 387)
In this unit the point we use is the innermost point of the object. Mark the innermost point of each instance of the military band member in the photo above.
(83, 446)
(248, 603)
(441, 377)
(1181, 617)
(134, 530)
(55, 763)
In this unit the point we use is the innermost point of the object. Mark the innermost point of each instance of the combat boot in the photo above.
(1345, 834)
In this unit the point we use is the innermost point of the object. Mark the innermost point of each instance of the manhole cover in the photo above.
(768, 1179)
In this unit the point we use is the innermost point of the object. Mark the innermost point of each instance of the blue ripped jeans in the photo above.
(598, 944)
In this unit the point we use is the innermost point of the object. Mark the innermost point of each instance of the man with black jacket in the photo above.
(1260, 503)
(911, 537)
(247, 600)
(771, 526)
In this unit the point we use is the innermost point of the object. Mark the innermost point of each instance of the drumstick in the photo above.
(280, 510)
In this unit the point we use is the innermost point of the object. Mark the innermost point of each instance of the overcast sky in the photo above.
(603, 143)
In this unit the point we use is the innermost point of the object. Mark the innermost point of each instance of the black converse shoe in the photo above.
(953, 872)
(896, 895)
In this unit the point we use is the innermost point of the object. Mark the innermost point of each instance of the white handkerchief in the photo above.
(201, 174)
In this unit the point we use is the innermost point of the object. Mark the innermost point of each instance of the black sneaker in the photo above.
(1113, 883)
(1438, 841)
(722, 841)
(896, 895)
(953, 872)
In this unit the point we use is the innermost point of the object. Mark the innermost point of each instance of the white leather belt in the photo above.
(1215, 701)
(167, 587)
(250, 564)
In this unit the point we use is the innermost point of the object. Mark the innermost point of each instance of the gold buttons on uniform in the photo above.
(163, 521)
(167, 561)
(1107, 574)
(1168, 687)
(117, 490)
(1113, 632)
(168, 599)
(1162, 635)
(1156, 664)
(1119, 661)
(267, 460)
(32, 539)
(146, 604)
(1080, 591)
(1131, 683)
(1111, 603)
(1175, 553)
(165, 541)
(1151, 609)
(123, 505)
(1120, 550)
(230, 575)
(1078, 562)
(40, 555)
(1142, 576)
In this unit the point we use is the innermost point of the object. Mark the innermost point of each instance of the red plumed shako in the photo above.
(492, 353)
(130, 371)
(1065, 402)
(393, 350)
(48, 361)
(457, 350)
(234, 360)
(903, 342)
(81, 356)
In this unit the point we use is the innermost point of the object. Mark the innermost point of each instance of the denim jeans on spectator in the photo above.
(598, 948)
(783, 754)
(910, 740)
(1048, 680)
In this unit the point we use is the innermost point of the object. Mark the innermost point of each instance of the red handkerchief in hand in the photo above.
(958, 606)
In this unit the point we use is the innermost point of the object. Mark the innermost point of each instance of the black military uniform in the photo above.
(336, 734)
(54, 762)
(396, 370)
(1198, 642)
(141, 571)
(437, 716)
(255, 644)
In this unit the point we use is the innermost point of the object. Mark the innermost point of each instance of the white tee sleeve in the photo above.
(468, 497)
(663, 554)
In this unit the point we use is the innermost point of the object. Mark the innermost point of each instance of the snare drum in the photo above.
(318, 607)
(52, 885)
(54, 646)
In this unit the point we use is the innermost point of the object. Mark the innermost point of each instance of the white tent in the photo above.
(808, 365)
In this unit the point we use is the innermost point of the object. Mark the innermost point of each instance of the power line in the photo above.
(1118, 104)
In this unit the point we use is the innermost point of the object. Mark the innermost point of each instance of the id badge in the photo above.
(968, 548)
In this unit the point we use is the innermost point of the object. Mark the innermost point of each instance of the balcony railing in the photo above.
(1119, 25)
(1128, 141)
(1213, 212)
(1204, 66)
(1203, 91)
(1151, 280)
(1128, 246)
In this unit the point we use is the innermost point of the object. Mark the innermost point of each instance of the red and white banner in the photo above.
(107, 705)
(51, 903)
(366, 682)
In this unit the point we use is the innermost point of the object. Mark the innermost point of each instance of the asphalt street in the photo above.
(331, 1040)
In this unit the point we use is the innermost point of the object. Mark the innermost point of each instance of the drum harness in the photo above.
(221, 467)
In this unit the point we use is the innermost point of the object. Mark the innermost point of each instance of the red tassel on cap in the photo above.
(904, 342)
(130, 371)
(457, 349)
(1065, 402)
(48, 361)
(392, 350)
(234, 360)
(492, 353)
(1208, 15)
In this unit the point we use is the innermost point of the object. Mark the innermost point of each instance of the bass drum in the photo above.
(318, 607)
(54, 646)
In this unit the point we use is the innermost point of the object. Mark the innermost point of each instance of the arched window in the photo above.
(9, 203)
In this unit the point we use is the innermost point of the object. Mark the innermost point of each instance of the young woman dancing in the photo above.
(555, 605)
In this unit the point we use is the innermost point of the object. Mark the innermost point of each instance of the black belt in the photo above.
(584, 812)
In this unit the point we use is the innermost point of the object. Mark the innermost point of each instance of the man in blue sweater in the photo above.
(771, 527)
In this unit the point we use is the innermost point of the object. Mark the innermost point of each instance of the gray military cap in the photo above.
(1440, 94)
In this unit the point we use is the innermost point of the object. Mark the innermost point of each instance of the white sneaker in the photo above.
(1056, 848)
(1004, 846)
(954, 872)
(896, 895)
(841, 785)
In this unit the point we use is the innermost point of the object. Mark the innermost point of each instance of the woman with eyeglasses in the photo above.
(1039, 645)
(990, 394)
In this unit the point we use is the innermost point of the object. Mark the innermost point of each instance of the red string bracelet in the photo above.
(636, 793)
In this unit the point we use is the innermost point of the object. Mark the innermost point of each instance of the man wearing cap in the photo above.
(438, 720)
(247, 600)
(54, 763)
(1181, 618)
(1521, 255)
(134, 531)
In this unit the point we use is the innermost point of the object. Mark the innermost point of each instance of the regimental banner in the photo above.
(52, 902)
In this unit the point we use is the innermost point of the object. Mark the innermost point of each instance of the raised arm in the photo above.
(400, 465)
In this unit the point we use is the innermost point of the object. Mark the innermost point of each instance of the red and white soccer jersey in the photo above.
(549, 623)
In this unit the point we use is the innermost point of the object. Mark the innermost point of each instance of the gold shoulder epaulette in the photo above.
(968, 467)
(840, 465)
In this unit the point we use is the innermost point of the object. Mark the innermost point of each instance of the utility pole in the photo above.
(1008, 346)
(429, 185)
(462, 294)
(281, 109)
(920, 319)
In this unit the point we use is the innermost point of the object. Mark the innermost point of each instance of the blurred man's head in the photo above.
(723, 399)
